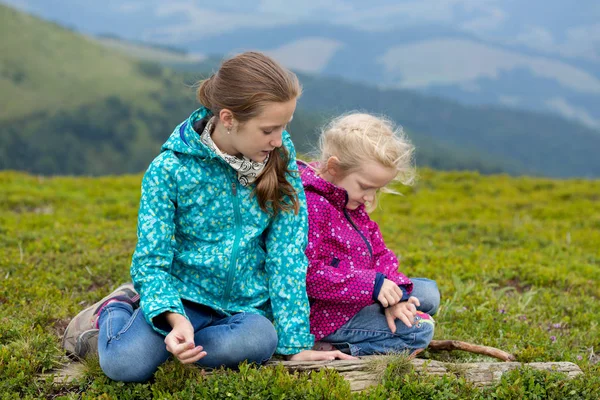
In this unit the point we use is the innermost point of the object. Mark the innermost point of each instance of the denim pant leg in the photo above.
(368, 333)
(229, 340)
(428, 294)
(128, 348)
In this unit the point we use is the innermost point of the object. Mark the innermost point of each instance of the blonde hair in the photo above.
(245, 84)
(356, 138)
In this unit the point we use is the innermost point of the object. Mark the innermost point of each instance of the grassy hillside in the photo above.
(46, 67)
(517, 262)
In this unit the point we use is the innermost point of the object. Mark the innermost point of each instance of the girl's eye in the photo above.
(267, 132)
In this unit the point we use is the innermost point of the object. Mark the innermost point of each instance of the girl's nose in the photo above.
(277, 141)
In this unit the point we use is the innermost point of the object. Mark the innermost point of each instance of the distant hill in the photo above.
(540, 55)
(44, 67)
(486, 138)
(78, 107)
(73, 106)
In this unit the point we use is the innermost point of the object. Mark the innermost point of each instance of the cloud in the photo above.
(191, 21)
(414, 12)
(454, 61)
(304, 9)
(129, 7)
(294, 55)
(494, 18)
(579, 42)
(511, 101)
(560, 105)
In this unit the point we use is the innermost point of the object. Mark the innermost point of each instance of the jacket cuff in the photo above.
(378, 283)
(405, 294)
(304, 342)
(152, 314)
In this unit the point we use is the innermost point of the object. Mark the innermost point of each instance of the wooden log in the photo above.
(368, 371)
(362, 373)
(472, 348)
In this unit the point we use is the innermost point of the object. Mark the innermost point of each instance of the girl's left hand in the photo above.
(314, 355)
(404, 311)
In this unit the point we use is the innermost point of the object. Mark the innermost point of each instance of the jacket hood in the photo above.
(312, 182)
(186, 140)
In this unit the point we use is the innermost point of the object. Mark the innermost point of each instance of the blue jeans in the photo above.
(368, 333)
(131, 351)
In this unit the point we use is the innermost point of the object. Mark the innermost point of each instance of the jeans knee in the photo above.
(123, 369)
(252, 339)
(261, 342)
(431, 299)
(130, 361)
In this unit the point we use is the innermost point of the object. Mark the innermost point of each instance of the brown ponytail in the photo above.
(244, 85)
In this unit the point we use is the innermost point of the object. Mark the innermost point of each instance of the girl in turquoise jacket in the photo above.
(222, 230)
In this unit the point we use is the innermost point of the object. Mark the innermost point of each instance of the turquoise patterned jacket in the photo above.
(203, 237)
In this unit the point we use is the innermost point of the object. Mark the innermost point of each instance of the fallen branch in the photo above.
(471, 348)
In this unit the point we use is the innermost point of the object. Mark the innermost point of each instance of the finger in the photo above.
(393, 298)
(343, 356)
(179, 348)
(398, 291)
(193, 359)
(414, 300)
(391, 321)
(411, 308)
(390, 299)
(190, 353)
(402, 317)
(383, 300)
(171, 341)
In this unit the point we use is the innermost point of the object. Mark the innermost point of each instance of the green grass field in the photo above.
(517, 261)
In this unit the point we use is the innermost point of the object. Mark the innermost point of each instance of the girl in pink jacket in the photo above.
(360, 303)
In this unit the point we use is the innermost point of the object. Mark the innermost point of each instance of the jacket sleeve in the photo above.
(329, 278)
(286, 266)
(385, 261)
(151, 261)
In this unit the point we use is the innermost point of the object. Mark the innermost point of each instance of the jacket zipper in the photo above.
(356, 227)
(236, 242)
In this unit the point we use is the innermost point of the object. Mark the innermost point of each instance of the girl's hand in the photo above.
(180, 341)
(314, 355)
(404, 311)
(390, 294)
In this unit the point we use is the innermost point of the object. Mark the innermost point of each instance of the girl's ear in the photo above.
(333, 166)
(226, 118)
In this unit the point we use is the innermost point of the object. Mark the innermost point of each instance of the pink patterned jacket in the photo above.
(345, 253)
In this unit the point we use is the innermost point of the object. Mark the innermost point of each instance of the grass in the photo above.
(517, 261)
(46, 68)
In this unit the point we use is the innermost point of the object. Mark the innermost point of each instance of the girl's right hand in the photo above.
(389, 294)
(180, 341)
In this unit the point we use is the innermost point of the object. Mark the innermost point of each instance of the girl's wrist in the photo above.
(174, 318)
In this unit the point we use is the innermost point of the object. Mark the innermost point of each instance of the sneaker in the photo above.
(87, 343)
(81, 336)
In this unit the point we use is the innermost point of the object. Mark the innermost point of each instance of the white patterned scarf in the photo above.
(247, 170)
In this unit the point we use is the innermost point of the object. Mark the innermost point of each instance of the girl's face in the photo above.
(363, 183)
(257, 137)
